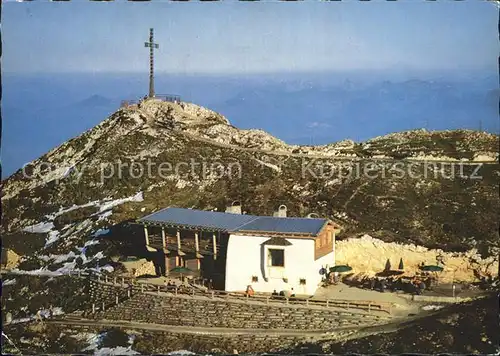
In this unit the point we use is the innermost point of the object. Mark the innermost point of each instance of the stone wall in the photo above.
(106, 293)
(205, 312)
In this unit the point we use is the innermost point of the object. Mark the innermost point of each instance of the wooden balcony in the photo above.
(187, 245)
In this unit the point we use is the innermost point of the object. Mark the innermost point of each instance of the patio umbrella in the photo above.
(389, 273)
(340, 268)
(432, 268)
(181, 271)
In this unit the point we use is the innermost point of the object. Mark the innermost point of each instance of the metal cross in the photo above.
(151, 46)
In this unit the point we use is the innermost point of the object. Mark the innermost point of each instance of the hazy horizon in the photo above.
(306, 72)
(250, 37)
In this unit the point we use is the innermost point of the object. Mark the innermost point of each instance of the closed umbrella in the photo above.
(387, 265)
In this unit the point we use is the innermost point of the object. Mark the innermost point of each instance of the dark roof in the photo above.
(277, 241)
(236, 223)
(200, 219)
(284, 225)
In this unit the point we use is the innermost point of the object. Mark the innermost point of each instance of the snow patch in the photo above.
(269, 165)
(432, 307)
(53, 237)
(119, 350)
(111, 204)
(93, 242)
(95, 341)
(57, 258)
(40, 228)
(8, 282)
(105, 215)
(71, 208)
(44, 313)
(181, 353)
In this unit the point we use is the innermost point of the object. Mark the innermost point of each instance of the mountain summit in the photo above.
(430, 188)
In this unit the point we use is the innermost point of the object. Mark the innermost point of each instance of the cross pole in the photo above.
(151, 46)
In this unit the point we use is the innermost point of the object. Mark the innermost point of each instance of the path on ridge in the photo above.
(313, 156)
(70, 320)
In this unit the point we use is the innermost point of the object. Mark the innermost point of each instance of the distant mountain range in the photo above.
(29, 132)
(336, 113)
(39, 114)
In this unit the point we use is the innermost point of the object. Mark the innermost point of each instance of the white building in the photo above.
(235, 251)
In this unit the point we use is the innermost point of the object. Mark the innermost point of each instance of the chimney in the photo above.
(281, 212)
(234, 208)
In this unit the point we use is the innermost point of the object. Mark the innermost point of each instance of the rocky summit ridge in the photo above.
(78, 188)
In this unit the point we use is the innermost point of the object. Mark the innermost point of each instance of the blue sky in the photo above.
(234, 37)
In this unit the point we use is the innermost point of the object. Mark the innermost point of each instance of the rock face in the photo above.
(10, 259)
(370, 256)
(139, 268)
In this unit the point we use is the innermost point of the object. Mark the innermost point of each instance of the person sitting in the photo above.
(292, 294)
(250, 292)
(422, 285)
(416, 284)
(382, 286)
(274, 293)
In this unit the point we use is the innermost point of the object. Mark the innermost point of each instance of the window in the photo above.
(255, 279)
(276, 258)
(302, 281)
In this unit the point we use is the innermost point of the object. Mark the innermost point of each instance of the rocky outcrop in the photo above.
(139, 268)
(10, 259)
(167, 150)
(368, 256)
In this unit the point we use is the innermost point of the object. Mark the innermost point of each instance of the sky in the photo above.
(231, 37)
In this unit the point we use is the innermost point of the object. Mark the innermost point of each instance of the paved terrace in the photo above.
(118, 289)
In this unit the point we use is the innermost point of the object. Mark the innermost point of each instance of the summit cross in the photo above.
(151, 46)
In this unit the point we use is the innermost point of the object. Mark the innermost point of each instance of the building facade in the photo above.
(235, 250)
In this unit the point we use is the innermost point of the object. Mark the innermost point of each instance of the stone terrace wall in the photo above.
(194, 311)
(106, 293)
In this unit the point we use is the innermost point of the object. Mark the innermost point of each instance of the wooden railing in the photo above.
(168, 97)
(126, 103)
(205, 246)
(134, 286)
(162, 97)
